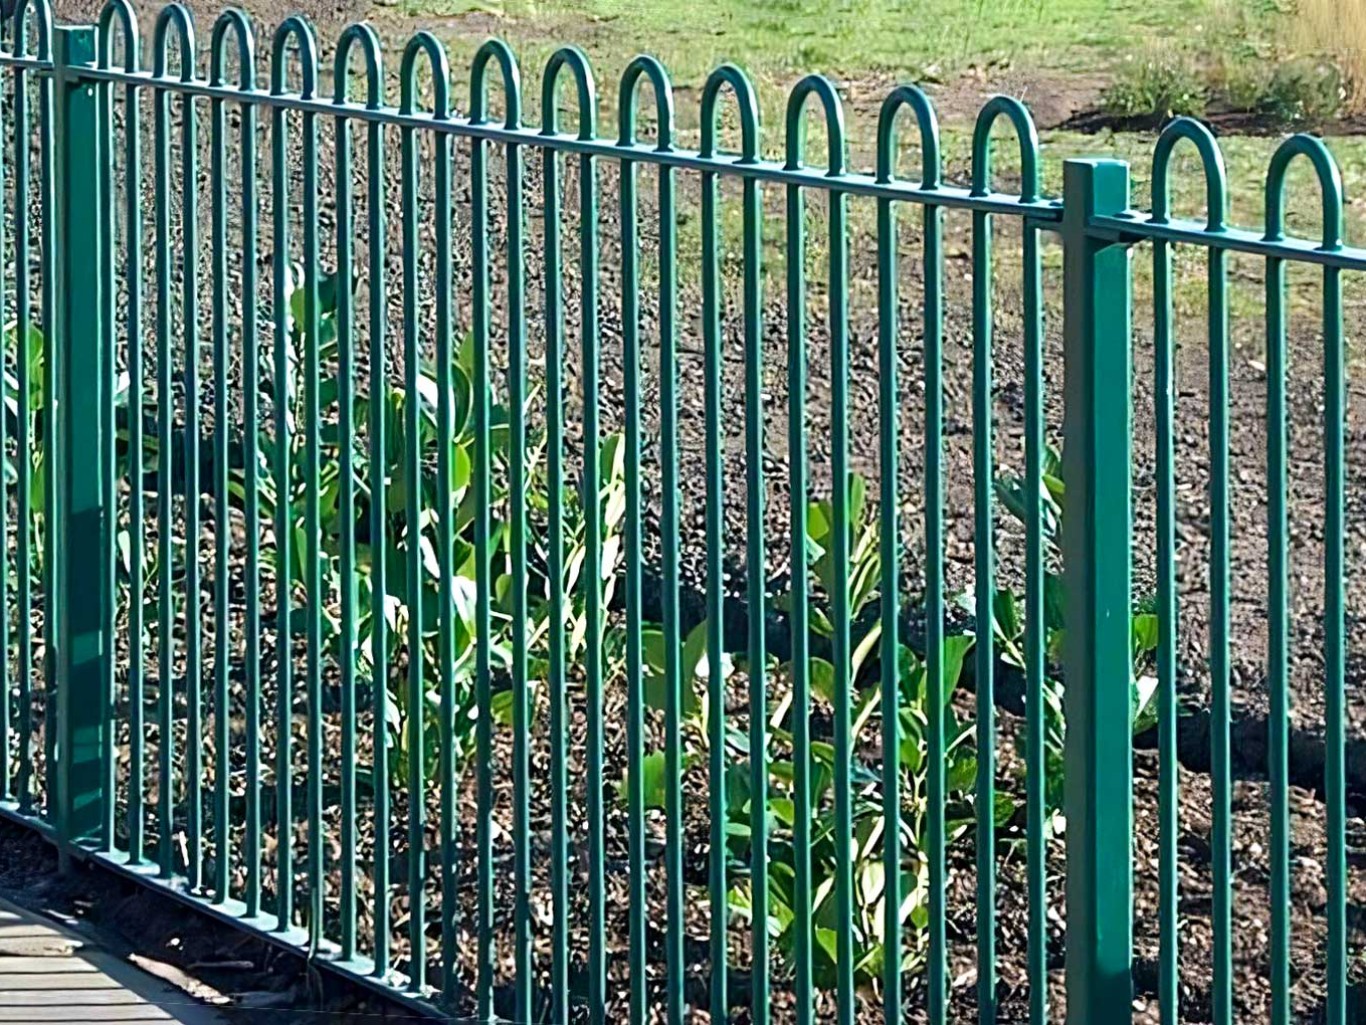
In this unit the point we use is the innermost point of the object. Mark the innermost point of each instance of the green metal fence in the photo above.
(239, 502)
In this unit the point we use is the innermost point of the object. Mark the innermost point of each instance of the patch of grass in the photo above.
(866, 45)
(1155, 89)
(1335, 29)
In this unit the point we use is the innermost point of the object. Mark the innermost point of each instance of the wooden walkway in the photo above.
(49, 974)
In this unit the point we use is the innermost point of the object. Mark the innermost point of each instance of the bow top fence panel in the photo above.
(554, 574)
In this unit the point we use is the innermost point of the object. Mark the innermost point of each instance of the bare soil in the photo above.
(1248, 610)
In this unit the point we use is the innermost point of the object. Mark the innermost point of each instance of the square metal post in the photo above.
(1097, 533)
(84, 706)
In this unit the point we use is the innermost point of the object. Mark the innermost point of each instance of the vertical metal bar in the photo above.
(283, 359)
(412, 473)
(482, 488)
(559, 824)
(137, 485)
(1097, 530)
(715, 597)
(933, 272)
(165, 491)
(251, 459)
(889, 330)
(52, 454)
(984, 581)
(799, 617)
(592, 581)
(24, 489)
(222, 542)
(635, 700)
(1334, 643)
(6, 728)
(109, 435)
(1221, 766)
(673, 641)
(1035, 633)
(85, 648)
(194, 656)
(313, 575)
(839, 607)
(1278, 670)
(756, 560)
(445, 418)
(379, 470)
(346, 445)
(1164, 391)
(933, 484)
(517, 514)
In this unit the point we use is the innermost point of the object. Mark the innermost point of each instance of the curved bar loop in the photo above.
(729, 74)
(173, 16)
(1211, 159)
(122, 10)
(1018, 115)
(296, 26)
(914, 97)
(647, 67)
(496, 49)
(1330, 187)
(425, 42)
(834, 123)
(360, 33)
(576, 61)
(43, 12)
(238, 22)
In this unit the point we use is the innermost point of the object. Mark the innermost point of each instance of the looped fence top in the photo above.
(362, 35)
(1211, 159)
(645, 66)
(237, 23)
(1018, 115)
(576, 61)
(42, 10)
(173, 17)
(425, 43)
(297, 28)
(1330, 187)
(122, 12)
(834, 123)
(913, 97)
(729, 74)
(496, 49)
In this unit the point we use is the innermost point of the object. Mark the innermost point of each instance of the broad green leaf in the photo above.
(822, 676)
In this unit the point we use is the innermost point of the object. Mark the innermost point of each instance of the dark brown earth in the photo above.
(1248, 539)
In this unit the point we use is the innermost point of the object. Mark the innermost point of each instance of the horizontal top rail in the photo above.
(1135, 226)
(1042, 212)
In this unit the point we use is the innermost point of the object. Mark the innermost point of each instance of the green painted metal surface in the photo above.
(1096, 536)
(321, 585)
(85, 699)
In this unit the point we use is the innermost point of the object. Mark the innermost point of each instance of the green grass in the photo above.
(867, 45)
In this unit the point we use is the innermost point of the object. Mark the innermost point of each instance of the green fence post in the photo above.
(1097, 522)
(84, 706)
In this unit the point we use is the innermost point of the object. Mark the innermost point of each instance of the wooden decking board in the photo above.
(50, 974)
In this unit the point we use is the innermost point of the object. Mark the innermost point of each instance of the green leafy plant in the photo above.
(911, 757)
(1303, 91)
(1008, 627)
(1155, 89)
(915, 705)
(435, 588)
